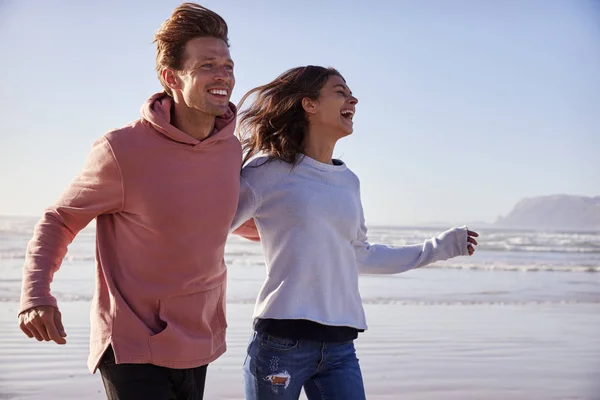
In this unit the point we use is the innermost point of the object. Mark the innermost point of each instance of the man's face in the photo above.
(206, 79)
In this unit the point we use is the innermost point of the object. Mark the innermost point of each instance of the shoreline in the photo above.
(451, 352)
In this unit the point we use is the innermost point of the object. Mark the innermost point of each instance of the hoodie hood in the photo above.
(157, 112)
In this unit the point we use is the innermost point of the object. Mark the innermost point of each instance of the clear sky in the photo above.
(465, 107)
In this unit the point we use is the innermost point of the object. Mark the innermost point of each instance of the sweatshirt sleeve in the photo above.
(243, 224)
(381, 259)
(98, 189)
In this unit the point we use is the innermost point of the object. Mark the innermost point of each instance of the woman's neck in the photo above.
(319, 147)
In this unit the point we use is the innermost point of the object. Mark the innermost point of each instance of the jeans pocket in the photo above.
(270, 342)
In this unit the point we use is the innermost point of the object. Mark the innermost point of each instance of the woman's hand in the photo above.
(471, 242)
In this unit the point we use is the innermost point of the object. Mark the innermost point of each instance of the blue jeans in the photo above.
(278, 368)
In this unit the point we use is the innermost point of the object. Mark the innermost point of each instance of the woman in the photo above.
(308, 212)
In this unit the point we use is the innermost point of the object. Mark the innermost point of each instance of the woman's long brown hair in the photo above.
(275, 122)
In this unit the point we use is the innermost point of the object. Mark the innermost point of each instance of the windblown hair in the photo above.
(275, 123)
(187, 22)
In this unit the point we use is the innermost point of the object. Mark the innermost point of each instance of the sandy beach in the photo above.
(420, 352)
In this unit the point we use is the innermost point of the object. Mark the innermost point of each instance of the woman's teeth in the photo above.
(348, 114)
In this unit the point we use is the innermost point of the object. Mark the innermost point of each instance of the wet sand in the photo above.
(416, 352)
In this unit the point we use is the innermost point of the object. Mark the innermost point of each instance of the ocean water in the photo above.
(509, 267)
(518, 320)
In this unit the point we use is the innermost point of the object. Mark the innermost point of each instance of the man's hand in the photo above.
(471, 241)
(44, 323)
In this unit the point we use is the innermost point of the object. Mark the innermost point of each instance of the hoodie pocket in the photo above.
(195, 327)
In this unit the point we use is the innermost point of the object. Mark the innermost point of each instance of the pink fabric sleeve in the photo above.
(98, 189)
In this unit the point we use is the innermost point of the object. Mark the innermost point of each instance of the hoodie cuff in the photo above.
(39, 302)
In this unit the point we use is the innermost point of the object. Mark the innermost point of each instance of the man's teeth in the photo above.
(219, 92)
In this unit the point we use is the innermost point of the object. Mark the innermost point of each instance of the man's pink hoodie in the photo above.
(164, 203)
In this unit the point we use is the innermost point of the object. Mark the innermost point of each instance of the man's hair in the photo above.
(187, 22)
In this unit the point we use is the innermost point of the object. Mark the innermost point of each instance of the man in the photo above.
(164, 191)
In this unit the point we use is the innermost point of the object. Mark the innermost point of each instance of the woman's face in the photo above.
(333, 111)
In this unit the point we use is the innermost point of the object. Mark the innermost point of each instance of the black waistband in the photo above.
(305, 329)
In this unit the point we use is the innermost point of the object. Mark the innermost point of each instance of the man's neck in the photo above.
(196, 124)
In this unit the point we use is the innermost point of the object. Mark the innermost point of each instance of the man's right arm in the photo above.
(243, 225)
(98, 189)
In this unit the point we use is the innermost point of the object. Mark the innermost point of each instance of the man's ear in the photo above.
(309, 106)
(170, 78)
